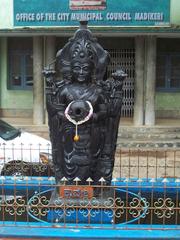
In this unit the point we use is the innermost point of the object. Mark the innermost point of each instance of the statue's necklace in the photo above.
(76, 123)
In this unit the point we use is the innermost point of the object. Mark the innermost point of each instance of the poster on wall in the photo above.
(87, 4)
(107, 13)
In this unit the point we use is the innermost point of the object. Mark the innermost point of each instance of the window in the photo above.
(20, 63)
(168, 72)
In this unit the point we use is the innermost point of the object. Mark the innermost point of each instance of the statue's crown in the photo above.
(82, 51)
(83, 47)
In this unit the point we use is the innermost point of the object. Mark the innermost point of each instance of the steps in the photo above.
(40, 130)
(131, 137)
(166, 135)
(149, 137)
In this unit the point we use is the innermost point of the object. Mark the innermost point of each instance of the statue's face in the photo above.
(81, 71)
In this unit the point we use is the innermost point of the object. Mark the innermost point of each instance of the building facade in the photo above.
(143, 39)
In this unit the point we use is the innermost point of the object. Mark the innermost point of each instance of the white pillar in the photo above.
(38, 86)
(50, 54)
(150, 81)
(50, 49)
(138, 117)
(3, 70)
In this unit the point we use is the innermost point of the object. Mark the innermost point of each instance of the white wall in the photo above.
(6, 14)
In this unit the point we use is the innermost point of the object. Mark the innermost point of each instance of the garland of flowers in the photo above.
(76, 123)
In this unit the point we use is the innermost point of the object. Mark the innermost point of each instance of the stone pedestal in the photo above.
(74, 204)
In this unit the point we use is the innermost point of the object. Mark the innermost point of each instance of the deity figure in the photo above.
(83, 110)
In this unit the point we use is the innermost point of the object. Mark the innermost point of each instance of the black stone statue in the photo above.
(83, 110)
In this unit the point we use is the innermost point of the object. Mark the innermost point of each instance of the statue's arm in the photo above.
(100, 111)
(116, 93)
(55, 101)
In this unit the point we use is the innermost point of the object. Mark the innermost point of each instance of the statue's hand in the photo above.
(115, 107)
(49, 75)
(117, 83)
(48, 72)
(95, 117)
(79, 111)
(119, 75)
(61, 115)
